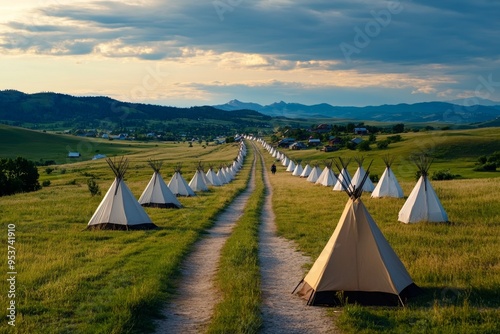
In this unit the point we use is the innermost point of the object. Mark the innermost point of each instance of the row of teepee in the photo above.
(422, 205)
(120, 210)
(357, 264)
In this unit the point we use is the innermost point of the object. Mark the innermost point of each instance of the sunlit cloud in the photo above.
(426, 51)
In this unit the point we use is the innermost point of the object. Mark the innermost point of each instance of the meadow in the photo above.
(457, 264)
(75, 281)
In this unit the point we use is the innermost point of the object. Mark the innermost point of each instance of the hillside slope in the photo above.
(46, 108)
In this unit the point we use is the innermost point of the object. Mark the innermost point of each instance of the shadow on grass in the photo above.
(436, 309)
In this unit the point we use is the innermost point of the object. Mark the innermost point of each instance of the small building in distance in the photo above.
(286, 142)
(360, 131)
(323, 128)
(314, 142)
(74, 155)
(297, 146)
(357, 140)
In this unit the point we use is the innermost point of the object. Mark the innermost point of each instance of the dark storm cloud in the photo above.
(415, 32)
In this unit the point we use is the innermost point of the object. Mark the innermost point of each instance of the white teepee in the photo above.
(327, 178)
(198, 183)
(359, 175)
(357, 264)
(213, 178)
(314, 175)
(298, 170)
(119, 209)
(344, 178)
(222, 176)
(307, 170)
(291, 166)
(388, 185)
(423, 203)
(157, 193)
(178, 184)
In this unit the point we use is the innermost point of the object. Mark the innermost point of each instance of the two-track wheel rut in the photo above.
(281, 269)
(191, 309)
(281, 265)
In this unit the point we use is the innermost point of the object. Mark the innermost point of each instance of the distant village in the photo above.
(325, 137)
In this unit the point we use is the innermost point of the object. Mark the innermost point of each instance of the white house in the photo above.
(74, 155)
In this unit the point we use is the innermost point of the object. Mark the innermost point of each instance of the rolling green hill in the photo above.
(65, 111)
(37, 145)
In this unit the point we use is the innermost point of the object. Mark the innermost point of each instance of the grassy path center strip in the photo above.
(238, 278)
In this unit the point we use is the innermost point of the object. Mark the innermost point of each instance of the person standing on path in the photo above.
(273, 169)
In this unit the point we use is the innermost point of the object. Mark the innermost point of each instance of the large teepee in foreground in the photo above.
(423, 203)
(388, 185)
(157, 194)
(357, 264)
(119, 209)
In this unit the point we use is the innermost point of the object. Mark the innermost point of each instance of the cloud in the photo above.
(414, 32)
(421, 47)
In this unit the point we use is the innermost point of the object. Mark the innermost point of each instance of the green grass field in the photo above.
(75, 281)
(457, 264)
(454, 150)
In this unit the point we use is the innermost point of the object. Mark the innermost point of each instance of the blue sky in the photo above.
(197, 52)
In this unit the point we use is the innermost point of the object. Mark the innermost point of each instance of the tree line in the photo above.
(18, 175)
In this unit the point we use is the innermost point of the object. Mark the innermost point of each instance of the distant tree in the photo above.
(394, 139)
(350, 145)
(93, 187)
(398, 128)
(18, 175)
(372, 138)
(383, 144)
(364, 146)
(350, 127)
(443, 175)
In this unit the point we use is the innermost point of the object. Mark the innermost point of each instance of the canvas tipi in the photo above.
(360, 175)
(314, 174)
(306, 171)
(178, 184)
(357, 265)
(344, 179)
(212, 177)
(119, 209)
(157, 193)
(298, 169)
(198, 183)
(388, 185)
(423, 203)
(221, 175)
(327, 178)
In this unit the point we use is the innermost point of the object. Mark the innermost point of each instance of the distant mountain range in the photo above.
(418, 112)
(18, 108)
